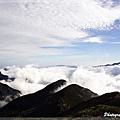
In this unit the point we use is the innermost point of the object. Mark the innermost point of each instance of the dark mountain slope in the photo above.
(109, 99)
(7, 94)
(72, 101)
(46, 103)
(98, 110)
(31, 100)
(62, 101)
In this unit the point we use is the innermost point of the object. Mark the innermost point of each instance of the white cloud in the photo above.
(32, 78)
(94, 40)
(26, 26)
(65, 19)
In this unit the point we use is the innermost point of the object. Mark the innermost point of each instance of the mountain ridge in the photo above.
(71, 101)
(44, 99)
(107, 65)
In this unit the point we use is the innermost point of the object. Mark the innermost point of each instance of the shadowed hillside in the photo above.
(31, 100)
(46, 103)
(109, 102)
(7, 94)
(71, 101)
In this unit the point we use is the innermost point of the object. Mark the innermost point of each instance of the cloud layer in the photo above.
(32, 78)
(28, 25)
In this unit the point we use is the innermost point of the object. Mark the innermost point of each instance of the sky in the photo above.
(55, 32)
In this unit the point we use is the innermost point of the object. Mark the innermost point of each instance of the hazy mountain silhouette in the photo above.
(109, 102)
(113, 64)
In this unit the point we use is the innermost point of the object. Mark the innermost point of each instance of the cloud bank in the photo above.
(32, 78)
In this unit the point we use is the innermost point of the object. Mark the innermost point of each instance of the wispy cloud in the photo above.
(77, 56)
(115, 43)
(94, 40)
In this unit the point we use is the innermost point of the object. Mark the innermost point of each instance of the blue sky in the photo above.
(47, 32)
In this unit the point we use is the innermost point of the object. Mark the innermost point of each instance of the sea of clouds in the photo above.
(32, 78)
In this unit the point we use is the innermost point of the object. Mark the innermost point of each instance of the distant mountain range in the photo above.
(71, 101)
(73, 66)
(118, 63)
(113, 64)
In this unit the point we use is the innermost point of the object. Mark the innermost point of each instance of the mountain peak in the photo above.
(51, 88)
(47, 102)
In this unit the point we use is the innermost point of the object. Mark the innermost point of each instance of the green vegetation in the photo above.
(98, 110)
